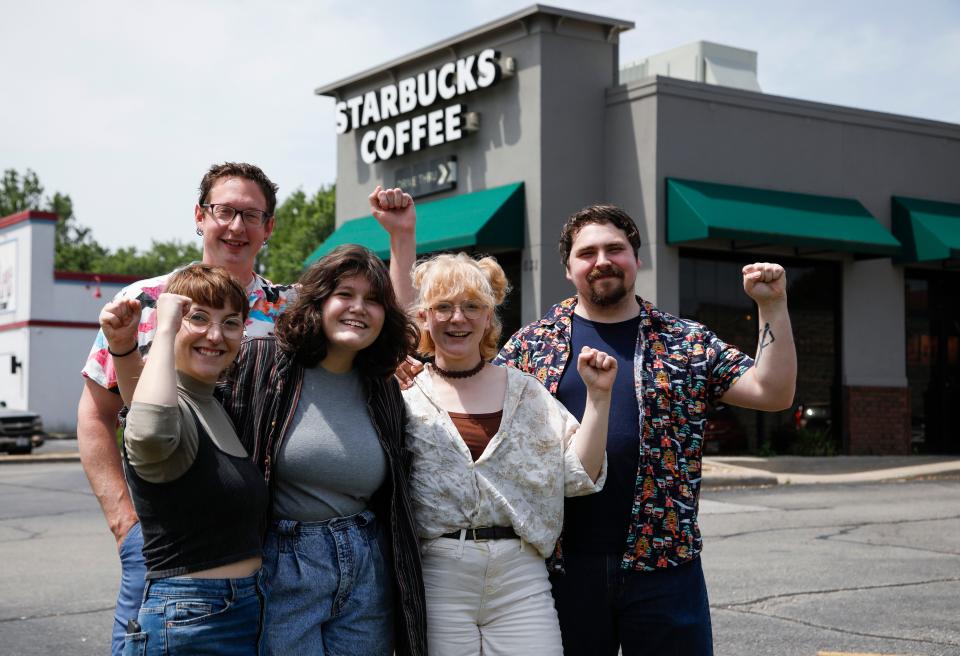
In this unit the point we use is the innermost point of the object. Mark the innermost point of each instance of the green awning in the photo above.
(491, 219)
(703, 210)
(929, 230)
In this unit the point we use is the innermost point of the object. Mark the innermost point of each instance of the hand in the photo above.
(765, 282)
(407, 371)
(393, 209)
(119, 321)
(597, 369)
(171, 308)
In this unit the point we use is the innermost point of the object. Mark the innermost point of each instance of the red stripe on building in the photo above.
(27, 215)
(83, 276)
(46, 323)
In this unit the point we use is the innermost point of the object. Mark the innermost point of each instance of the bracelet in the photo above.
(120, 355)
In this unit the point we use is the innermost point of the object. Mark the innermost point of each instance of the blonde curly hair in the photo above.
(446, 276)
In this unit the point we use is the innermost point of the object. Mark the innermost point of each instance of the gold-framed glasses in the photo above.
(444, 311)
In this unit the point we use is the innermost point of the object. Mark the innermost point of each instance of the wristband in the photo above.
(120, 355)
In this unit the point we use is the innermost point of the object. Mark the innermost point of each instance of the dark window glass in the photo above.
(711, 292)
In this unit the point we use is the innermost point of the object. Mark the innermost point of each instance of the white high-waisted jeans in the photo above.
(488, 597)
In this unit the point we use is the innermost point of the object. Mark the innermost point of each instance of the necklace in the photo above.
(445, 373)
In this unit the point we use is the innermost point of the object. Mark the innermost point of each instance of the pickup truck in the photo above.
(20, 430)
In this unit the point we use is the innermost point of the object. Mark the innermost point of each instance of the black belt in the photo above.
(485, 533)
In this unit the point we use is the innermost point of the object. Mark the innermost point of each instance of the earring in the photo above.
(199, 232)
(265, 241)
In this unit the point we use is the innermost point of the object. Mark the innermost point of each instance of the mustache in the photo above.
(604, 272)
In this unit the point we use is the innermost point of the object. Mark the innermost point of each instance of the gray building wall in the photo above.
(735, 137)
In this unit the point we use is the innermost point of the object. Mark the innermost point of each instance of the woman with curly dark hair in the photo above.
(318, 406)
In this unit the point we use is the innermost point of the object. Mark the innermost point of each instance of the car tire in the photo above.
(21, 451)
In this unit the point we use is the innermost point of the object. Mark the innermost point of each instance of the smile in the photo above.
(354, 323)
(462, 333)
(208, 352)
(234, 243)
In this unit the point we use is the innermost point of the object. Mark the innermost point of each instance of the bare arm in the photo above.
(158, 381)
(394, 210)
(598, 371)
(771, 382)
(119, 321)
(97, 442)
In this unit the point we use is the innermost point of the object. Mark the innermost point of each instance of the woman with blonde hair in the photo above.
(493, 456)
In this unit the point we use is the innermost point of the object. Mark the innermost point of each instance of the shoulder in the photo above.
(146, 289)
(274, 292)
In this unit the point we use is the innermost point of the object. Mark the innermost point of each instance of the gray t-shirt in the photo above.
(331, 462)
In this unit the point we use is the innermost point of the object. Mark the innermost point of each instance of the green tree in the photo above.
(303, 222)
(161, 257)
(75, 247)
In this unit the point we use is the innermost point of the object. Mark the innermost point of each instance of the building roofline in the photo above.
(26, 215)
(661, 85)
(615, 24)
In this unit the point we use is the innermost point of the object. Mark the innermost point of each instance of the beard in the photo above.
(610, 296)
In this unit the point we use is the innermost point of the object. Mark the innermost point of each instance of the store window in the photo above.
(933, 358)
(711, 292)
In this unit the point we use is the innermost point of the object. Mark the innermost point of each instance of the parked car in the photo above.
(723, 432)
(814, 416)
(20, 431)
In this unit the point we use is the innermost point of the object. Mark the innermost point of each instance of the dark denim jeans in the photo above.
(183, 615)
(133, 569)
(328, 589)
(603, 608)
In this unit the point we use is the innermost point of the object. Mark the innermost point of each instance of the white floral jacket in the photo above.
(519, 480)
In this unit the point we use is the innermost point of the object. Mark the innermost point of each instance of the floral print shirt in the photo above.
(679, 368)
(519, 481)
(267, 301)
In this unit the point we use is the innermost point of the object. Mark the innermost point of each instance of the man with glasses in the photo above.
(234, 216)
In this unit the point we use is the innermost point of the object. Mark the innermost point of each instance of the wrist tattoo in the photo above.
(766, 339)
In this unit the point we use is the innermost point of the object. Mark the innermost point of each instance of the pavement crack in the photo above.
(836, 629)
(74, 613)
(845, 527)
(896, 546)
(856, 588)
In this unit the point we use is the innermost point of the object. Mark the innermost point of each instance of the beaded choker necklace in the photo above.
(445, 373)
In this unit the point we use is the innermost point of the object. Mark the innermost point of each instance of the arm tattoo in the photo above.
(766, 339)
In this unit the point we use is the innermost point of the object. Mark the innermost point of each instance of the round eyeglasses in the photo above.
(199, 323)
(469, 309)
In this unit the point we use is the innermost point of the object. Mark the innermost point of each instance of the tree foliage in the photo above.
(75, 247)
(303, 222)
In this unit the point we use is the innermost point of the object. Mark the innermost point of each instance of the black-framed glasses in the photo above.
(224, 214)
(199, 323)
(470, 309)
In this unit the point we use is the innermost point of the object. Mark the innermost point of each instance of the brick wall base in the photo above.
(877, 420)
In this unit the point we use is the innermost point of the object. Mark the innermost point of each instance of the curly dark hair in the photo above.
(597, 214)
(299, 329)
(240, 170)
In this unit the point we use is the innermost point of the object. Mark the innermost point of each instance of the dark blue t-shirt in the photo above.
(598, 523)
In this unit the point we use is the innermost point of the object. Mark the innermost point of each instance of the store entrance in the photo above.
(933, 359)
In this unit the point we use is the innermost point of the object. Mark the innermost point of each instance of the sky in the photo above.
(124, 104)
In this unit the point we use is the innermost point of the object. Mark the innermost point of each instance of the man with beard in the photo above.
(627, 572)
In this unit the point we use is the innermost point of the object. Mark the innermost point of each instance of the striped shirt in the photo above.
(261, 397)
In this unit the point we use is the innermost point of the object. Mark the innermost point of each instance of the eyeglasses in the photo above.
(225, 214)
(469, 309)
(200, 323)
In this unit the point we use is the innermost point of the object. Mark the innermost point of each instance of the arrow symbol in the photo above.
(444, 172)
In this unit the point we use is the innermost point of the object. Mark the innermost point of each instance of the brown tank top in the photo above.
(476, 430)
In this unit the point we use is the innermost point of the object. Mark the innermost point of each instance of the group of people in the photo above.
(307, 490)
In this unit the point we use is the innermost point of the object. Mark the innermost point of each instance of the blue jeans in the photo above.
(603, 607)
(328, 589)
(133, 569)
(183, 615)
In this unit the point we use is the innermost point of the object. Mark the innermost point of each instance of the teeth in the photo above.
(212, 352)
(357, 324)
(458, 334)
